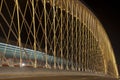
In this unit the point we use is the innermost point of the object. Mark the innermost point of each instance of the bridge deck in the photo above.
(45, 74)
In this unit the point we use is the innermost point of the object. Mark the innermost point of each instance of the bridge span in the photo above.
(54, 35)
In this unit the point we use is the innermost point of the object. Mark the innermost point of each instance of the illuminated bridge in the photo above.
(54, 34)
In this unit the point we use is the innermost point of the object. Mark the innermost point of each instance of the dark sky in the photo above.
(108, 12)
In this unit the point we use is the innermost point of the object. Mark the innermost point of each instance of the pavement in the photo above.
(52, 76)
(46, 74)
(59, 78)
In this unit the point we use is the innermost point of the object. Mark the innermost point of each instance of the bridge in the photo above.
(53, 35)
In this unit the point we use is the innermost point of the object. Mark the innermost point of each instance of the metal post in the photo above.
(82, 51)
(54, 30)
(87, 55)
(83, 40)
(72, 38)
(61, 37)
(76, 35)
(85, 52)
(46, 61)
(34, 29)
(80, 40)
(19, 33)
(87, 40)
(91, 44)
(67, 38)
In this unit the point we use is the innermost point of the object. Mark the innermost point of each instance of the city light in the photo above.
(23, 64)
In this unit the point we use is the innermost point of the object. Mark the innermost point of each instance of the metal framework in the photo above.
(58, 34)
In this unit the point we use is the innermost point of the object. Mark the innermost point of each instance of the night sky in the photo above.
(108, 12)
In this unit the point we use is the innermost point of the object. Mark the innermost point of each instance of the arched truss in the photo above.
(63, 34)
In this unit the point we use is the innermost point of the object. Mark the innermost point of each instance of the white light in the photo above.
(23, 64)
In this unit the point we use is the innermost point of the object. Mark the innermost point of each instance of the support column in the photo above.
(67, 37)
(34, 30)
(46, 58)
(88, 45)
(84, 62)
(76, 37)
(91, 44)
(54, 30)
(19, 32)
(85, 38)
(87, 25)
(72, 38)
(82, 41)
(79, 68)
(61, 36)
